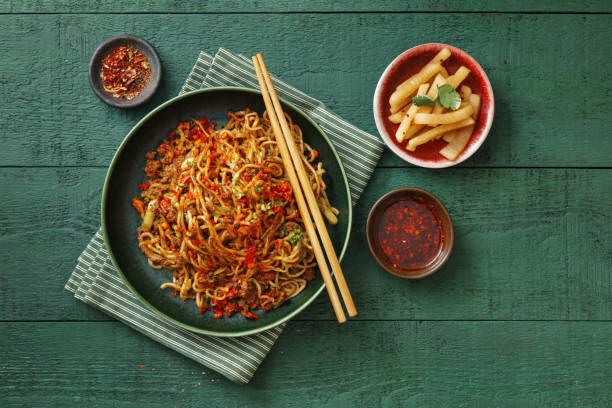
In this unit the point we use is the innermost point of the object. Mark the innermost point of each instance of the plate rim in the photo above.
(148, 305)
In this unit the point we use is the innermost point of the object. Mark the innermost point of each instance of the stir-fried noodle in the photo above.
(219, 212)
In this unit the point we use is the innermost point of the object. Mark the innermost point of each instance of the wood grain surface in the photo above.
(305, 6)
(520, 316)
(358, 364)
(533, 250)
(544, 104)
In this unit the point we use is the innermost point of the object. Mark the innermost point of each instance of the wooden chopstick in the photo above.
(299, 197)
(269, 93)
(310, 197)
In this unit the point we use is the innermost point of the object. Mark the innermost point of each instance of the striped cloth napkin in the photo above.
(96, 282)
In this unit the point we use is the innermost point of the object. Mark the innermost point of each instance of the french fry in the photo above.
(448, 136)
(456, 144)
(454, 81)
(474, 100)
(465, 92)
(433, 119)
(409, 114)
(435, 132)
(462, 136)
(399, 115)
(401, 94)
(457, 78)
(413, 129)
(454, 148)
(444, 72)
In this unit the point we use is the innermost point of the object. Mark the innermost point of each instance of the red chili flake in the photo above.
(249, 315)
(125, 72)
(185, 178)
(175, 293)
(143, 186)
(165, 204)
(172, 135)
(282, 192)
(250, 257)
(211, 127)
(409, 233)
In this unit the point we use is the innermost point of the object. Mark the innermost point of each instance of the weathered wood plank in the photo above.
(317, 364)
(530, 244)
(269, 6)
(51, 117)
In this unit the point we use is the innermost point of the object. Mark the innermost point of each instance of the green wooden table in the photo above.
(520, 316)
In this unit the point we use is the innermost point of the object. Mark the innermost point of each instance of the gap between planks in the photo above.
(575, 12)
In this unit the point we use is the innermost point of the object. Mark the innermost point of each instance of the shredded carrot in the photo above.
(139, 205)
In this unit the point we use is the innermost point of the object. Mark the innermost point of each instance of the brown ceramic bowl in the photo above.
(448, 236)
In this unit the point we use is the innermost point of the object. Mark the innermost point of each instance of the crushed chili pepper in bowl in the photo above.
(410, 233)
(125, 71)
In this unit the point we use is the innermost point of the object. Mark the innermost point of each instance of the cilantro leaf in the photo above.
(424, 100)
(448, 98)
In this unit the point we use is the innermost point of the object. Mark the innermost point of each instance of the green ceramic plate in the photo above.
(120, 221)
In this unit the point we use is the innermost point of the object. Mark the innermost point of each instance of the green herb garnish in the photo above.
(448, 98)
(295, 236)
(238, 193)
(215, 216)
(424, 100)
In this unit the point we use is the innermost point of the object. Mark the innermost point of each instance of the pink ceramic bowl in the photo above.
(408, 64)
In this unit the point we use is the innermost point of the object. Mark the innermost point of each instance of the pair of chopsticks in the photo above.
(300, 184)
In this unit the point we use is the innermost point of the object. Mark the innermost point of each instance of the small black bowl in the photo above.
(95, 67)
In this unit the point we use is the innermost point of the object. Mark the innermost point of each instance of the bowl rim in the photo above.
(152, 308)
(380, 126)
(445, 216)
(154, 82)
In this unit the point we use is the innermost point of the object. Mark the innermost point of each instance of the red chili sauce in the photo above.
(409, 233)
